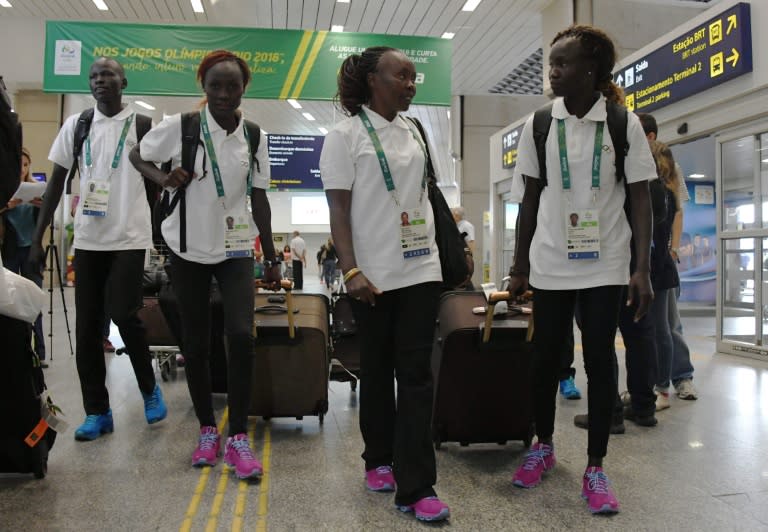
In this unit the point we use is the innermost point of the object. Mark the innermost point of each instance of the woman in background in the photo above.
(20, 221)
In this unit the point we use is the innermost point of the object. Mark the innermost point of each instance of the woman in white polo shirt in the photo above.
(218, 190)
(373, 168)
(584, 259)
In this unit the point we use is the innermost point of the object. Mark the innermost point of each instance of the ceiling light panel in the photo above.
(337, 28)
(471, 5)
(197, 6)
(448, 35)
(101, 5)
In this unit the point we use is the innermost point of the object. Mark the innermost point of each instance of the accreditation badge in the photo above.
(96, 198)
(414, 235)
(237, 236)
(582, 231)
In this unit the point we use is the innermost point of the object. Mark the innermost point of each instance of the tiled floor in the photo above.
(705, 467)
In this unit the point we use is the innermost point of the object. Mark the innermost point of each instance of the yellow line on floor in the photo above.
(218, 499)
(242, 493)
(205, 472)
(261, 525)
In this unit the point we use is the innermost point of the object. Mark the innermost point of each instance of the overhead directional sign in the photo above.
(712, 53)
(509, 143)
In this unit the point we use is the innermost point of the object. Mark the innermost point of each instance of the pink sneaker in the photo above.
(539, 458)
(428, 509)
(595, 488)
(207, 451)
(380, 479)
(238, 455)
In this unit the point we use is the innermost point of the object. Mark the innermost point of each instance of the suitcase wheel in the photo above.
(322, 418)
(353, 385)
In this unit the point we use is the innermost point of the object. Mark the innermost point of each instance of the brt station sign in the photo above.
(162, 60)
(712, 53)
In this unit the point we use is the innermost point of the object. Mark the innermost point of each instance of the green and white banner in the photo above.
(163, 59)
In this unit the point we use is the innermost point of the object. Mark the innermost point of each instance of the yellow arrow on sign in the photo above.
(731, 24)
(733, 58)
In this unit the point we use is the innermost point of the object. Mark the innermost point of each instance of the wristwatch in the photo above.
(271, 263)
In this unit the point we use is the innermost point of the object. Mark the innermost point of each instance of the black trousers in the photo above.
(298, 275)
(119, 274)
(640, 354)
(553, 323)
(396, 341)
(191, 282)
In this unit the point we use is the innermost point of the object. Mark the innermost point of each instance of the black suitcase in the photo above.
(290, 375)
(345, 352)
(483, 390)
(21, 450)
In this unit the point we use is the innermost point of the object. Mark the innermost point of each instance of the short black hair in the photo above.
(649, 123)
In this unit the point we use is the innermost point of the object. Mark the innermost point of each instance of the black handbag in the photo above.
(455, 257)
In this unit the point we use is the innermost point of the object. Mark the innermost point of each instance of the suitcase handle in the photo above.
(493, 299)
(286, 285)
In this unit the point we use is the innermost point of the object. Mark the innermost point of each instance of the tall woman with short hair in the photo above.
(373, 168)
(224, 179)
(586, 263)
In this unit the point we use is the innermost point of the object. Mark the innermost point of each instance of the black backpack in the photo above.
(617, 127)
(190, 139)
(83, 129)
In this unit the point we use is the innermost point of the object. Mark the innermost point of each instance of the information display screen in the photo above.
(712, 53)
(509, 143)
(295, 162)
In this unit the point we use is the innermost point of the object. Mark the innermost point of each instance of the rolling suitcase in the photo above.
(483, 389)
(25, 439)
(345, 352)
(290, 369)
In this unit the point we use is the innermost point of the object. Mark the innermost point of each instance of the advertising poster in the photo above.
(698, 244)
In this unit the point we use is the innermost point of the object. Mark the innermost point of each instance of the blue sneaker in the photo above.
(154, 406)
(94, 426)
(568, 389)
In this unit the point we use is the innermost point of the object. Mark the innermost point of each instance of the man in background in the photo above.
(682, 369)
(299, 256)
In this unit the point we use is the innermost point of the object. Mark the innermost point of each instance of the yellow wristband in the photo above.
(351, 273)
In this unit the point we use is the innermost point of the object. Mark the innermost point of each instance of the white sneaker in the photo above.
(662, 400)
(686, 391)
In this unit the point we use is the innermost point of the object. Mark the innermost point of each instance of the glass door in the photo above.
(742, 309)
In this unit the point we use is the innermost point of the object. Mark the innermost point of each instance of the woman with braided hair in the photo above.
(586, 265)
(373, 168)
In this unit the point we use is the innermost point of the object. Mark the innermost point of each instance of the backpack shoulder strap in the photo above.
(431, 176)
(254, 136)
(190, 138)
(617, 127)
(143, 125)
(542, 119)
(82, 129)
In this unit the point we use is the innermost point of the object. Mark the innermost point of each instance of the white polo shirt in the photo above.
(205, 211)
(298, 247)
(127, 224)
(550, 267)
(349, 162)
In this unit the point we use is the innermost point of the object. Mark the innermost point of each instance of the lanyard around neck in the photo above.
(388, 181)
(214, 160)
(118, 150)
(596, 157)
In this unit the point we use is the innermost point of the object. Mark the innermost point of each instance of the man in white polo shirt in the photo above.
(299, 254)
(112, 233)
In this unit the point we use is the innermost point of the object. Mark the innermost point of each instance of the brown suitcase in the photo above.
(290, 375)
(162, 343)
(483, 390)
